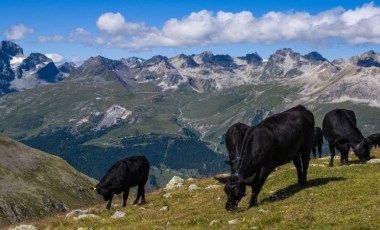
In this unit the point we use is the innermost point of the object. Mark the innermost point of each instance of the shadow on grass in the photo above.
(359, 162)
(289, 191)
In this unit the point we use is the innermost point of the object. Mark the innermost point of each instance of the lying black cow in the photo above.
(234, 138)
(283, 137)
(123, 175)
(374, 140)
(339, 129)
(318, 142)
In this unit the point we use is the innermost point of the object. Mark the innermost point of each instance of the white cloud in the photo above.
(17, 32)
(81, 35)
(53, 38)
(57, 59)
(111, 22)
(355, 26)
(77, 60)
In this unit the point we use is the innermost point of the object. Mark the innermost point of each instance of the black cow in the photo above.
(279, 139)
(374, 140)
(318, 142)
(339, 129)
(123, 175)
(234, 138)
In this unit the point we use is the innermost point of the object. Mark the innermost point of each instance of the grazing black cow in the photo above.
(318, 142)
(374, 140)
(339, 129)
(279, 139)
(234, 138)
(123, 175)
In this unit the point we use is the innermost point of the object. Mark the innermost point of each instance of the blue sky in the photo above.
(76, 30)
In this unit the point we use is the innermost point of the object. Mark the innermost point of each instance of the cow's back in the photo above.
(138, 169)
(340, 124)
(277, 139)
(115, 178)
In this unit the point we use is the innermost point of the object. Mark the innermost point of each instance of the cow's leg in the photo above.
(125, 196)
(305, 165)
(343, 149)
(143, 194)
(258, 184)
(297, 163)
(332, 152)
(320, 150)
(140, 193)
(109, 203)
(314, 151)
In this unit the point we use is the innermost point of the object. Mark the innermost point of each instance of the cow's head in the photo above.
(235, 189)
(106, 193)
(362, 150)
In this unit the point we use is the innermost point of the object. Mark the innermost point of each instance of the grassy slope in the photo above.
(35, 184)
(342, 197)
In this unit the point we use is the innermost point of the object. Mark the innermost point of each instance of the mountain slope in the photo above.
(109, 109)
(341, 197)
(35, 184)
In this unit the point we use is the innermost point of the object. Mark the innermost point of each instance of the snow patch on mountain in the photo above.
(112, 116)
(16, 61)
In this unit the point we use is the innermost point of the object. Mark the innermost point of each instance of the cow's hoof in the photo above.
(331, 164)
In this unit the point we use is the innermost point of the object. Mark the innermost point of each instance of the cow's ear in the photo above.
(249, 180)
(222, 180)
(228, 162)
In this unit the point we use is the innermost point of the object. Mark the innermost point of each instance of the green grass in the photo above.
(341, 197)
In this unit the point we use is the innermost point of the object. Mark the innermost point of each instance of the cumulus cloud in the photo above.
(115, 24)
(53, 38)
(354, 26)
(77, 59)
(17, 32)
(81, 35)
(55, 57)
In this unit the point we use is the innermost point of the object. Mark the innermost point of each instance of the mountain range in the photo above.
(176, 110)
(18, 72)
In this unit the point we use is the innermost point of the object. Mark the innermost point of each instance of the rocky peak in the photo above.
(33, 60)
(156, 60)
(100, 62)
(367, 59)
(67, 67)
(253, 59)
(132, 61)
(11, 49)
(207, 59)
(314, 57)
(99, 65)
(283, 63)
(184, 61)
(206, 56)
